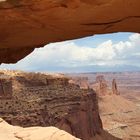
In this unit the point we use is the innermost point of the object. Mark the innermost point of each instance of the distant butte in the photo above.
(102, 88)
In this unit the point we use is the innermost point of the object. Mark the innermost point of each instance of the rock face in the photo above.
(102, 88)
(120, 116)
(115, 87)
(81, 81)
(45, 100)
(9, 132)
(5, 87)
(25, 25)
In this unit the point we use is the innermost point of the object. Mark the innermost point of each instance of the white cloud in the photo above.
(68, 54)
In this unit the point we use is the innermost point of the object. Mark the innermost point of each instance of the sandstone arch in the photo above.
(25, 25)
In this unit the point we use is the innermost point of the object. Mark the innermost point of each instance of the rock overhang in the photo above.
(25, 25)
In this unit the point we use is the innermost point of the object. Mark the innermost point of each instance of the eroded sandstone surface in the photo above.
(9, 132)
(50, 100)
(119, 114)
(100, 85)
(27, 24)
(120, 117)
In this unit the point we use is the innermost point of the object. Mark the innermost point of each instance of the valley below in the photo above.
(44, 100)
(120, 114)
(89, 106)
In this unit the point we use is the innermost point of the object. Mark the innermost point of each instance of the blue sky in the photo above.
(109, 52)
(97, 39)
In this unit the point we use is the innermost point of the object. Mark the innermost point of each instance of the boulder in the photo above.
(9, 132)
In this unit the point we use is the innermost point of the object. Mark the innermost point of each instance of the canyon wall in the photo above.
(101, 86)
(45, 100)
(118, 99)
(25, 25)
(5, 87)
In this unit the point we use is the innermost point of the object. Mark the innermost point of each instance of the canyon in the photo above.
(35, 99)
(119, 102)
(84, 105)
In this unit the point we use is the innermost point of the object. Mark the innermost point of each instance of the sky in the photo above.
(99, 53)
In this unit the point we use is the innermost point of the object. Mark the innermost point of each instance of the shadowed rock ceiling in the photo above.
(27, 24)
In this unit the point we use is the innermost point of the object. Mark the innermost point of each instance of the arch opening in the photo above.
(107, 64)
(102, 53)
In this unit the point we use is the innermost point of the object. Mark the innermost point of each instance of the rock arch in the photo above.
(25, 25)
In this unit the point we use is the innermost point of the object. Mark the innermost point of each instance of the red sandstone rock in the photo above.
(9, 132)
(81, 81)
(101, 86)
(27, 24)
(115, 87)
(44, 100)
(5, 87)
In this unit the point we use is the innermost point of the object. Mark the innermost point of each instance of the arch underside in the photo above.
(25, 25)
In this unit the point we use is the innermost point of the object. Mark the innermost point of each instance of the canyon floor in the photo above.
(120, 114)
(120, 117)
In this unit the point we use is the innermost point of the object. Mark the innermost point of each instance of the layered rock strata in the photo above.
(5, 87)
(102, 88)
(81, 81)
(44, 100)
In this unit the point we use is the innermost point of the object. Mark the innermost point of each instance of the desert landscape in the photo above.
(120, 108)
(41, 99)
(38, 105)
(85, 105)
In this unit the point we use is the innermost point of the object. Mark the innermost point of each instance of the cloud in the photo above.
(68, 55)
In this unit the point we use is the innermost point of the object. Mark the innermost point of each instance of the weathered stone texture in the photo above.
(43, 100)
(27, 24)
